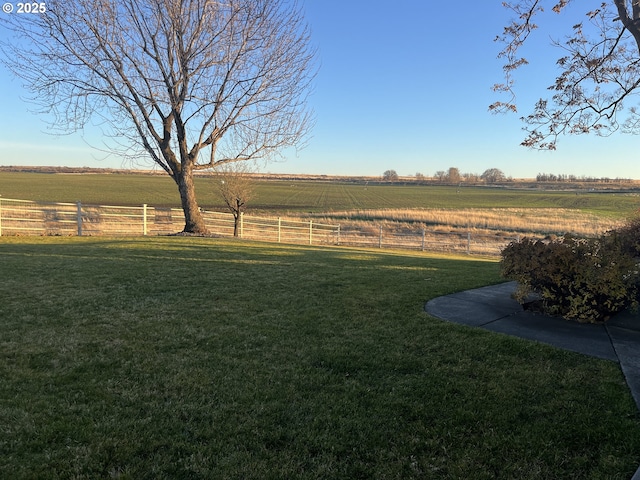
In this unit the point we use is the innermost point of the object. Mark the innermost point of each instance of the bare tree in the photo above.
(236, 187)
(600, 70)
(441, 175)
(453, 175)
(493, 175)
(390, 176)
(192, 84)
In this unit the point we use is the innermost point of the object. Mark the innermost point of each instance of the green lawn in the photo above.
(165, 358)
(301, 196)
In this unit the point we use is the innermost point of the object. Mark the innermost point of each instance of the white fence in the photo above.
(23, 217)
(425, 240)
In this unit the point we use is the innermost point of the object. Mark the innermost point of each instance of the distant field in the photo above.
(101, 189)
(297, 197)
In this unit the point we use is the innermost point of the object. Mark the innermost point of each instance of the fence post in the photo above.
(279, 228)
(0, 215)
(338, 237)
(241, 224)
(380, 238)
(468, 243)
(144, 219)
(423, 238)
(79, 217)
(310, 232)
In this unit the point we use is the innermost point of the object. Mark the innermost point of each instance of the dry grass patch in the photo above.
(536, 221)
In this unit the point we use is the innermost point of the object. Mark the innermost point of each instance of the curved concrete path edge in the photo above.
(493, 308)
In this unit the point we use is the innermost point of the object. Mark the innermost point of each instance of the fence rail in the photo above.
(424, 240)
(24, 217)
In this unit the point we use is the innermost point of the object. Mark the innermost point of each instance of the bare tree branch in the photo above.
(599, 72)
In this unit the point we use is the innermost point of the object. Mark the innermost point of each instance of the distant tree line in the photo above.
(563, 178)
(453, 175)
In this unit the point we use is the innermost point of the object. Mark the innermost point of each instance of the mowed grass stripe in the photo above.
(209, 358)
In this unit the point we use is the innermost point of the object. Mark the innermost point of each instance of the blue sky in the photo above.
(403, 85)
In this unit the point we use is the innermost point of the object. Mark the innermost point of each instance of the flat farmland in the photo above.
(326, 197)
(304, 197)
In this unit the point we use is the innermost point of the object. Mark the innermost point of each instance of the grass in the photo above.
(207, 358)
(304, 196)
(323, 197)
(508, 220)
(96, 189)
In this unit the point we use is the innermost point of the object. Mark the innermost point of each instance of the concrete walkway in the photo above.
(493, 308)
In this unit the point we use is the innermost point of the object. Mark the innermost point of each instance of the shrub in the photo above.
(587, 280)
(627, 237)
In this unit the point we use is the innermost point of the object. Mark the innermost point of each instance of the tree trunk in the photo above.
(237, 211)
(236, 223)
(193, 221)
